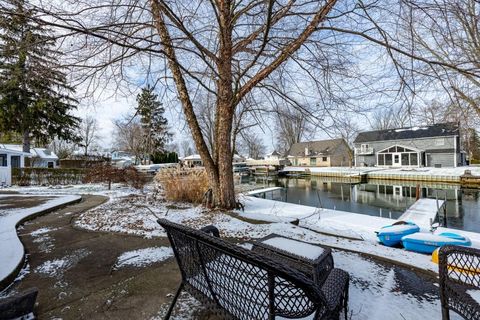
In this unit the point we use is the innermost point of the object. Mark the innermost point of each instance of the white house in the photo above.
(40, 157)
(10, 159)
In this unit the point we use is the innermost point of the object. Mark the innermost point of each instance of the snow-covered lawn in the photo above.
(11, 249)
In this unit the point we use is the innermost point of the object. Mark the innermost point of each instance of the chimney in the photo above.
(306, 151)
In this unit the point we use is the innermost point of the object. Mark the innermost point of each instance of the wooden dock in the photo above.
(423, 212)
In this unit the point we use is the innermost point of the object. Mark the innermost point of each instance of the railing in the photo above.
(368, 150)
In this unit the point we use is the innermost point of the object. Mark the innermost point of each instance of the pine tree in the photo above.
(154, 124)
(35, 98)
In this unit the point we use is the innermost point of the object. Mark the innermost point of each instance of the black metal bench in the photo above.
(236, 283)
(19, 306)
(459, 269)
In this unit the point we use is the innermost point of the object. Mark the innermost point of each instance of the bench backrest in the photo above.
(245, 284)
(460, 265)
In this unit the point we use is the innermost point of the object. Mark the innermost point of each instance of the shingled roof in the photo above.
(321, 147)
(436, 130)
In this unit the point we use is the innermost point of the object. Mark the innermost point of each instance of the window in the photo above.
(405, 161)
(3, 160)
(364, 147)
(313, 161)
(324, 159)
(381, 159)
(439, 141)
(388, 159)
(413, 159)
(50, 164)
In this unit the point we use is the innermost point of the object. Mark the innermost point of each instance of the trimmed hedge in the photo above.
(47, 176)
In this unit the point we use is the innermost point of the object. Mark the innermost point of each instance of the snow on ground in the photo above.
(118, 189)
(56, 267)
(11, 249)
(376, 292)
(347, 171)
(143, 257)
(372, 171)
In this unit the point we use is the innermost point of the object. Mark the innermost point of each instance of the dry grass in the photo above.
(187, 185)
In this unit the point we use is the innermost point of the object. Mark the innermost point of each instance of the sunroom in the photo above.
(399, 156)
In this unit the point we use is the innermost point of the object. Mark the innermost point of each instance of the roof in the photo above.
(7, 149)
(320, 147)
(436, 130)
(42, 153)
(193, 157)
(273, 153)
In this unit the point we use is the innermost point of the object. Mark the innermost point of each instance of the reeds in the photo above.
(187, 185)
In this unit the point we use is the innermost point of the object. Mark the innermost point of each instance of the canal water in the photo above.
(377, 198)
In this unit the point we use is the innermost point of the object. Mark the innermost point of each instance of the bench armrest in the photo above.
(211, 230)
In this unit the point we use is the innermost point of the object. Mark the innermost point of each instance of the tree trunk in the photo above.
(26, 141)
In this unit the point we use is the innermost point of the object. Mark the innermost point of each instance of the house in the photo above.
(322, 153)
(274, 155)
(10, 159)
(193, 160)
(436, 145)
(39, 157)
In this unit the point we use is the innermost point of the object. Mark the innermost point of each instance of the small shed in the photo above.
(10, 159)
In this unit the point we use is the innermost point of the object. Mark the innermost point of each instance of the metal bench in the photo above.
(236, 283)
(459, 269)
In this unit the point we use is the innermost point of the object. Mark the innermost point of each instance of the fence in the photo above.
(46, 176)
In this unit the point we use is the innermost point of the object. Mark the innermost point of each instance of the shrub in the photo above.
(187, 185)
(106, 173)
(46, 176)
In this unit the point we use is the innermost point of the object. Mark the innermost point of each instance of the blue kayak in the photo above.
(392, 235)
(427, 242)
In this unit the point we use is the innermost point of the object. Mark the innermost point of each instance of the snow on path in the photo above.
(11, 249)
(143, 257)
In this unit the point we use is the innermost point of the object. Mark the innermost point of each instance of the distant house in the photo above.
(274, 155)
(193, 160)
(39, 157)
(322, 153)
(422, 146)
(9, 159)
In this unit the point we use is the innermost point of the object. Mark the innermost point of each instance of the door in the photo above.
(396, 159)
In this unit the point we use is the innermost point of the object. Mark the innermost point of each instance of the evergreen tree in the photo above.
(154, 124)
(35, 98)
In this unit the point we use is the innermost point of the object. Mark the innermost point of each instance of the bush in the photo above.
(187, 185)
(46, 176)
(106, 173)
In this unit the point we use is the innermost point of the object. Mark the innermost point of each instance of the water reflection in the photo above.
(377, 198)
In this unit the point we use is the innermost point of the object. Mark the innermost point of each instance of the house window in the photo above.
(3, 160)
(381, 159)
(439, 141)
(413, 159)
(388, 159)
(364, 147)
(324, 159)
(50, 164)
(313, 161)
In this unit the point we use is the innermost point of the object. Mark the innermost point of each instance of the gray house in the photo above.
(425, 146)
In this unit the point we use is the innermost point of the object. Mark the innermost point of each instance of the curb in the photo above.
(8, 280)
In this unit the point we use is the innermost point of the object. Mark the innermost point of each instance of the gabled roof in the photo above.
(321, 147)
(42, 153)
(436, 130)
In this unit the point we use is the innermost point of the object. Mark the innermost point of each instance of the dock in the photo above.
(423, 212)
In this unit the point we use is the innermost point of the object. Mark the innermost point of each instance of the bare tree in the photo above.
(88, 133)
(291, 126)
(187, 149)
(232, 50)
(389, 118)
(129, 136)
(251, 144)
(62, 148)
